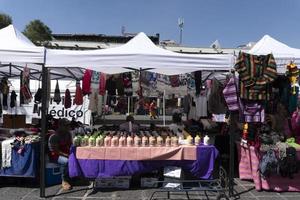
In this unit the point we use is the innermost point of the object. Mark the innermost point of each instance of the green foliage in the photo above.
(5, 20)
(37, 32)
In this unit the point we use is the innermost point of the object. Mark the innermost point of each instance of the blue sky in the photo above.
(232, 22)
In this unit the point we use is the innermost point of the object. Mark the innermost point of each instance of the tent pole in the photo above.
(164, 108)
(232, 129)
(43, 127)
(128, 105)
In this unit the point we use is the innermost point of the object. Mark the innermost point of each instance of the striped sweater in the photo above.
(255, 74)
(230, 95)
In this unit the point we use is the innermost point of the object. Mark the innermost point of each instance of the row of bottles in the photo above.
(124, 139)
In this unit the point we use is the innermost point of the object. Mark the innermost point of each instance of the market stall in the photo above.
(138, 54)
(265, 98)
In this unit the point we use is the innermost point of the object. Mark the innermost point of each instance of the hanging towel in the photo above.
(78, 94)
(68, 101)
(6, 153)
(13, 99)
(86, 82)
(102, 84)
(57, 97)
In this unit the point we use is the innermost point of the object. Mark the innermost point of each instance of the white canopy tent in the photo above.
(17, 51)
(16, 48)
(283, 53)
(138, 53)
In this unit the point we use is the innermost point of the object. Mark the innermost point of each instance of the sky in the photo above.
(232, 22)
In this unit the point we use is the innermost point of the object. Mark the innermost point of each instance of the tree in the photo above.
(38, 32)
(5, 20)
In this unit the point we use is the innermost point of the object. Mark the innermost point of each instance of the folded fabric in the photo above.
(6, 153)
(292, 143)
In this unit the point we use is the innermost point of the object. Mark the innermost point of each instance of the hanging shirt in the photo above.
(255, 74)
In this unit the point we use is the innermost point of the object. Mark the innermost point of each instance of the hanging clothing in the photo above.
(102, 84)
(201, 105)
(78, 100)
(86, 82)
(93, 105)
(231, 95)
(186, 103)
(198, 81)
(111, 86)
(25, 94)
(5, 91)
(68, 100)
(293, 100)
(1, 111)
(57, 97)
(6, 153)
(127, 82)
(120, 85)
(216, 101)
(255, 74)
(174, 80)
(13, 99)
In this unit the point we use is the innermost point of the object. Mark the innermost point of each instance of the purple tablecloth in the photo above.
(90, 168)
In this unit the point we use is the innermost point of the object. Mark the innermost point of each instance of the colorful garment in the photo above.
(102, 84)
(78, 100)
(127, 82)
(86, 82)
(255, 73)
(230, 95)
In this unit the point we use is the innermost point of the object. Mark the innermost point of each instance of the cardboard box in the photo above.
(149, 182)
(122, 182)
(14, 121)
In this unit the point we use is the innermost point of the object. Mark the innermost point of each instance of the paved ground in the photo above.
(23, 191)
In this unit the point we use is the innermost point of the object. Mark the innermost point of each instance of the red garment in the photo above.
(86, 82)
(68, 101)
(102, 84)
(78, 100)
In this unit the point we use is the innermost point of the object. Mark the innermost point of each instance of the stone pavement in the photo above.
(23, 191)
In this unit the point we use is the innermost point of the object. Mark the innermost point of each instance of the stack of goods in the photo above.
(124, 139)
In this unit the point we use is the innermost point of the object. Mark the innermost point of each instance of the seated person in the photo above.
(59, 144)
(176, 124)
(125, 125)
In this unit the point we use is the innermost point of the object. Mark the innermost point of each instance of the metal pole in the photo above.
(164, 109)
(232, 129)
(128, 105)
(43, 127)
(180, 41)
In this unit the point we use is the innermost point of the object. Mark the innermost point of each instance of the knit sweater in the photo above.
(255, 73)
